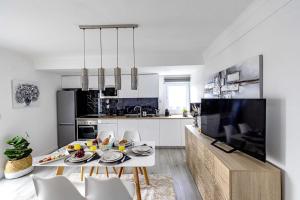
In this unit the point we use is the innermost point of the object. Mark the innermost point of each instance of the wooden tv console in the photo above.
(235, 176)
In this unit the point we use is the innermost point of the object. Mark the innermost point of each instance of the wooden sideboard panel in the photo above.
(236, 176)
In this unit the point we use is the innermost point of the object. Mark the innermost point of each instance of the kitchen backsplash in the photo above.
(122, 106)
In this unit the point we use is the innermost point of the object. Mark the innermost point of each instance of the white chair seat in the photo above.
(110, 189)
(58, 188)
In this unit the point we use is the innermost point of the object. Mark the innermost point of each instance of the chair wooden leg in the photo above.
(115, 170)
(97, 170)
(81, 173)
(59, 171)
(146, 176)
(120, 172)
(91, 171)
(137, 183)
(106, 170)
(141, 171)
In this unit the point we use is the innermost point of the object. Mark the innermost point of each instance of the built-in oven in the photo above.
(87, 129)
(109, 92)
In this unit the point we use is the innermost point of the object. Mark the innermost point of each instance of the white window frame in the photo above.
(188, 97)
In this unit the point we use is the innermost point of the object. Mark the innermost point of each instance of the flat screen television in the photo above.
(240, 123)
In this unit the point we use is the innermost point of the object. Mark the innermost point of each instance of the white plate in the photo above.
(142, 149)
(147, 153)
(111, 156)
(56, 159)
(86, 156)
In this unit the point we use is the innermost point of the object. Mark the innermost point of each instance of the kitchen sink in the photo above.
(132, 116)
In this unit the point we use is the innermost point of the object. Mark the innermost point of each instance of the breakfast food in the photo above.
(106, 140)
(71, 147)
(52, 158)
(79, 153)
(123, 142)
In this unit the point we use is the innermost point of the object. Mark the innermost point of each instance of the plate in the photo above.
(86, 156)
(111, 156)
(142, 149)
(54, 157)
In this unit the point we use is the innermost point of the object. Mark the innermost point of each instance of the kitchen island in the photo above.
(165, 131)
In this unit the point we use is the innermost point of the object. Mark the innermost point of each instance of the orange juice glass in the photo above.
(93, 148)
(89, 143)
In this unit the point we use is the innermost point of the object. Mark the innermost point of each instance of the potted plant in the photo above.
(184, 112)
(19, 159)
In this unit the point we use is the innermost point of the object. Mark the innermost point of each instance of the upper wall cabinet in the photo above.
(126, 91)
(70, 82)
(148, 86)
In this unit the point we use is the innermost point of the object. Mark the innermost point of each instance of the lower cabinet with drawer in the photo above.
(235, 176)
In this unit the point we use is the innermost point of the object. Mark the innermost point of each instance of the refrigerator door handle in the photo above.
(66, 123)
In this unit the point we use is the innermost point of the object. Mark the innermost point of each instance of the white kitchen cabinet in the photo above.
(126, 91)
(170, 132)
(184, 122)
(149, 130)
(93, 82)
(148, 86)
(109, 80)
(126, 125)
(70, 82)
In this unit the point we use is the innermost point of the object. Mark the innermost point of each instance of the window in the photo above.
(177, 96)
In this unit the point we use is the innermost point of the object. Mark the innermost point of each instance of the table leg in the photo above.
(59, 171)
(81, 173)
(115, 170)
(146, 176)
(120, 172)
(141, 171)
(91, 171)
(106, 170)
(97, 170)
(137, 183)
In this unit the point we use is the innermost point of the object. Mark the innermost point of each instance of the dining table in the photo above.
(135, 162)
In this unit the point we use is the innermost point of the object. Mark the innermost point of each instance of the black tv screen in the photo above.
(240, 123)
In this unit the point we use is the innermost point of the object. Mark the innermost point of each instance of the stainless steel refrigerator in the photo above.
(66, 116)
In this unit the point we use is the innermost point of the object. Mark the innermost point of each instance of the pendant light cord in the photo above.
(101, 46)
(117, 47)
(133, 47)
(84, 48)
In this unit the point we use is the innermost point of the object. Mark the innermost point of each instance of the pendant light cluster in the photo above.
(117, 69)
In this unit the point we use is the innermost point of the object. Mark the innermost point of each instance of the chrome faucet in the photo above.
(140, 108)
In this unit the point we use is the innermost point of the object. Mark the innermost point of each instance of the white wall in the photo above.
(196, 87)
(39, 122)
(271, 28)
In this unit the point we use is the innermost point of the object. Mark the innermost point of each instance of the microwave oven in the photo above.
(109, 92)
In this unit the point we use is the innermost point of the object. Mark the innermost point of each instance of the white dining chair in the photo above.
(132, 136)
(58, 188)
(110, 189)
(102, 135)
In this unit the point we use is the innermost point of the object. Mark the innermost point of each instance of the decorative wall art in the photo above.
(243, 80)
(25, 94)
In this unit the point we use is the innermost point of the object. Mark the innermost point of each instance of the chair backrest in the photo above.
(105, 134)
(132, 135)
(58, 188)
(110, 189)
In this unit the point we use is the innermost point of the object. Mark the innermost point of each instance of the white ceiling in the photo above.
(171, 32)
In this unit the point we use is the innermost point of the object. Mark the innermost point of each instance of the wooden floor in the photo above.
(169, 162)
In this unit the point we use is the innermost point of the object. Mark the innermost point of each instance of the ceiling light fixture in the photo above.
(101, 71)
(134, 70)
(84, 71)
(117, 70)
